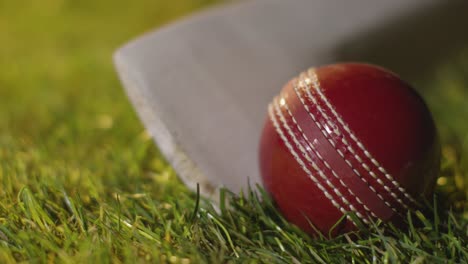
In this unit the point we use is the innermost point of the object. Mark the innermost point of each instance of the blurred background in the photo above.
(61, 103)
(56, 69)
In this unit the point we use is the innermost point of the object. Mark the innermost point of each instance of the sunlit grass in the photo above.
(81, 181)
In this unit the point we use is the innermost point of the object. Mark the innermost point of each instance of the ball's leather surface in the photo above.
(348, 139)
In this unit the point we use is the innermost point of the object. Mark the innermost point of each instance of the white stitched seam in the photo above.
(316, 84)
(324, 162)
(301, 163)
(329, 140)
(311, 162)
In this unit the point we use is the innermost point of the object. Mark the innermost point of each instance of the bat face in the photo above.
(202, 86)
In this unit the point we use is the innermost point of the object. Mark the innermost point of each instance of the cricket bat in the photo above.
(201, 85)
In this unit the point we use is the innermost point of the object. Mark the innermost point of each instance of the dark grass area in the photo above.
(82, 182)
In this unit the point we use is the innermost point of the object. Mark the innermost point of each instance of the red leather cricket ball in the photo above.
(344, 140)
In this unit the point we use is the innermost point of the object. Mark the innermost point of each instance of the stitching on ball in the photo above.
(316, 84)
(301, 163)
(301, 79)
(311, 162)
(323, 160)
(310, 96)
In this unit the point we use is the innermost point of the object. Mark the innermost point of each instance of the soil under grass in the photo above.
(82, 182)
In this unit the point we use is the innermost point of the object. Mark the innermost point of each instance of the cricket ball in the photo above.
(345, 145)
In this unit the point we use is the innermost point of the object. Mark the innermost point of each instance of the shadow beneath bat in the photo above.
(415, 46)
(412, 45)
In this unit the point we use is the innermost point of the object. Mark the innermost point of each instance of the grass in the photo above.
(82, 182)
